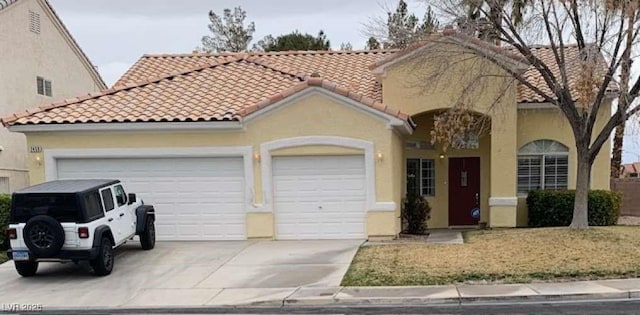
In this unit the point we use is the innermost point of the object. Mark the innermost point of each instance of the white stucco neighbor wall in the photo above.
(25, 55)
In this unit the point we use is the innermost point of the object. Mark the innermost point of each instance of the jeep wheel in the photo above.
(103, 264)
(26, 268)
(148, 236)
(44, 236)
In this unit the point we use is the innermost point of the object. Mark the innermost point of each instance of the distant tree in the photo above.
(293, 41)
(346, 46)
(401, 28)
(372, 44)
(228, 32)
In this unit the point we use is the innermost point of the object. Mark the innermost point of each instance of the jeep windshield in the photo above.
(62, 207)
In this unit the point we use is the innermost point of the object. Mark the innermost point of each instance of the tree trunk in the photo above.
(580, 213)
(616, 159)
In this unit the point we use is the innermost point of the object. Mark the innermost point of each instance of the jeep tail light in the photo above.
(83, 232)
(12, 234)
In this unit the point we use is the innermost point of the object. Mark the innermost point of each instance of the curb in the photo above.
(280, 306)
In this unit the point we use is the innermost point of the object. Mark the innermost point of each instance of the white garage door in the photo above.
(319, 197)
(194, 198)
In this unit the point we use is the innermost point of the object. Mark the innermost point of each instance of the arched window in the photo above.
(542, 164)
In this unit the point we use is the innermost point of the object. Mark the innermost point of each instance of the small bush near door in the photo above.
(415, 213)
(555, 207)
(5, 206)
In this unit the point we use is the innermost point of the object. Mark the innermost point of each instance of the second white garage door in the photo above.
(194, 198)
(319, 197)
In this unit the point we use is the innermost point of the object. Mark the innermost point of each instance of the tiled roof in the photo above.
(631, 168)
(348, 68)
(572, 66)
(221, 91)
(230, 85)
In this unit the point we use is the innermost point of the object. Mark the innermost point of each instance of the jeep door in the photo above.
(112, 215)
(124, 211)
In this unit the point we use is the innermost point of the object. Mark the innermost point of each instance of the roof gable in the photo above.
(507, 57)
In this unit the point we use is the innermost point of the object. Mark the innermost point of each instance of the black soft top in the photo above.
(68, 186)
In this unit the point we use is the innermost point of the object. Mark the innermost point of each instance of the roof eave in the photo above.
(129, 127)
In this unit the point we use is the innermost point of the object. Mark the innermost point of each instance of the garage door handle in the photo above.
(121, 214)
(320, 207)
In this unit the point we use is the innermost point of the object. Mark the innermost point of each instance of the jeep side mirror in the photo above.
(132, 198)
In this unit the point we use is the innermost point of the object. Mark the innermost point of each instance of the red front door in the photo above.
(464, 190)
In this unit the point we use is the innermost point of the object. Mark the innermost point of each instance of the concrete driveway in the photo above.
(186, 274)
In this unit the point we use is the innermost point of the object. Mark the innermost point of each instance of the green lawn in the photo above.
(507, 255)
(3, 257)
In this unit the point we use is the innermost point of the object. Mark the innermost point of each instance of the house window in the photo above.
(34, 22)
(542, 164)
(44, 86)
(421, 177)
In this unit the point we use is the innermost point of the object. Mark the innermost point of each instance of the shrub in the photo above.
(5, 206)
(555, 207)
(415, 212)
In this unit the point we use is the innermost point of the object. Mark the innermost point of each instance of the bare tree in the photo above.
(604, 32)
(228, 32)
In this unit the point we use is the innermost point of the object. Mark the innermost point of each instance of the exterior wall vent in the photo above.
(34, 22)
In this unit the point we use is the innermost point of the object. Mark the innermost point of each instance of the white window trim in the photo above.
(420, 171)
(246, 152)
(369, 160)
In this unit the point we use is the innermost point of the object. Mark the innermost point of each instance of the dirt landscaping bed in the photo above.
(509, 255)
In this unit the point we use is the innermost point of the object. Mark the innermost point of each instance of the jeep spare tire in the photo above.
(43, 235)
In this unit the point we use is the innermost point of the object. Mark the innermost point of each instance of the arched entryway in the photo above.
(455, 179)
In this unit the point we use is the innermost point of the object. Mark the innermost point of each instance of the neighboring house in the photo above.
(630, 170)
(39, 63)
(306, 145)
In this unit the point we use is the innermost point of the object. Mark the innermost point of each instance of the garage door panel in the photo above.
(194, 198)
(319, 197)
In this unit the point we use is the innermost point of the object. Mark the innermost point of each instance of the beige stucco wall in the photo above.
(26, 55)
(412, 86)
(330, 118)
(556, 127)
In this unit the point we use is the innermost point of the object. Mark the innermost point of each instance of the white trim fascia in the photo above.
(392, 121)
(369, 161)
(503, 201)
(133, 126)
(246, 152)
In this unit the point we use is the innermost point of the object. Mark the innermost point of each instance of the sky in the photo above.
(116, 33)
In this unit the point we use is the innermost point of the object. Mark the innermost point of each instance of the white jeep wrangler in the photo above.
(73, 220)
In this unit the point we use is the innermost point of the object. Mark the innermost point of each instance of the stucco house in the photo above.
(40, 62)
(306, 145)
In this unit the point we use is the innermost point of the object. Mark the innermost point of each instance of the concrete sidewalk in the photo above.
(462, 294)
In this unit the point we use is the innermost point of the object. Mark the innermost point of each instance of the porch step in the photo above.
(445, 237)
